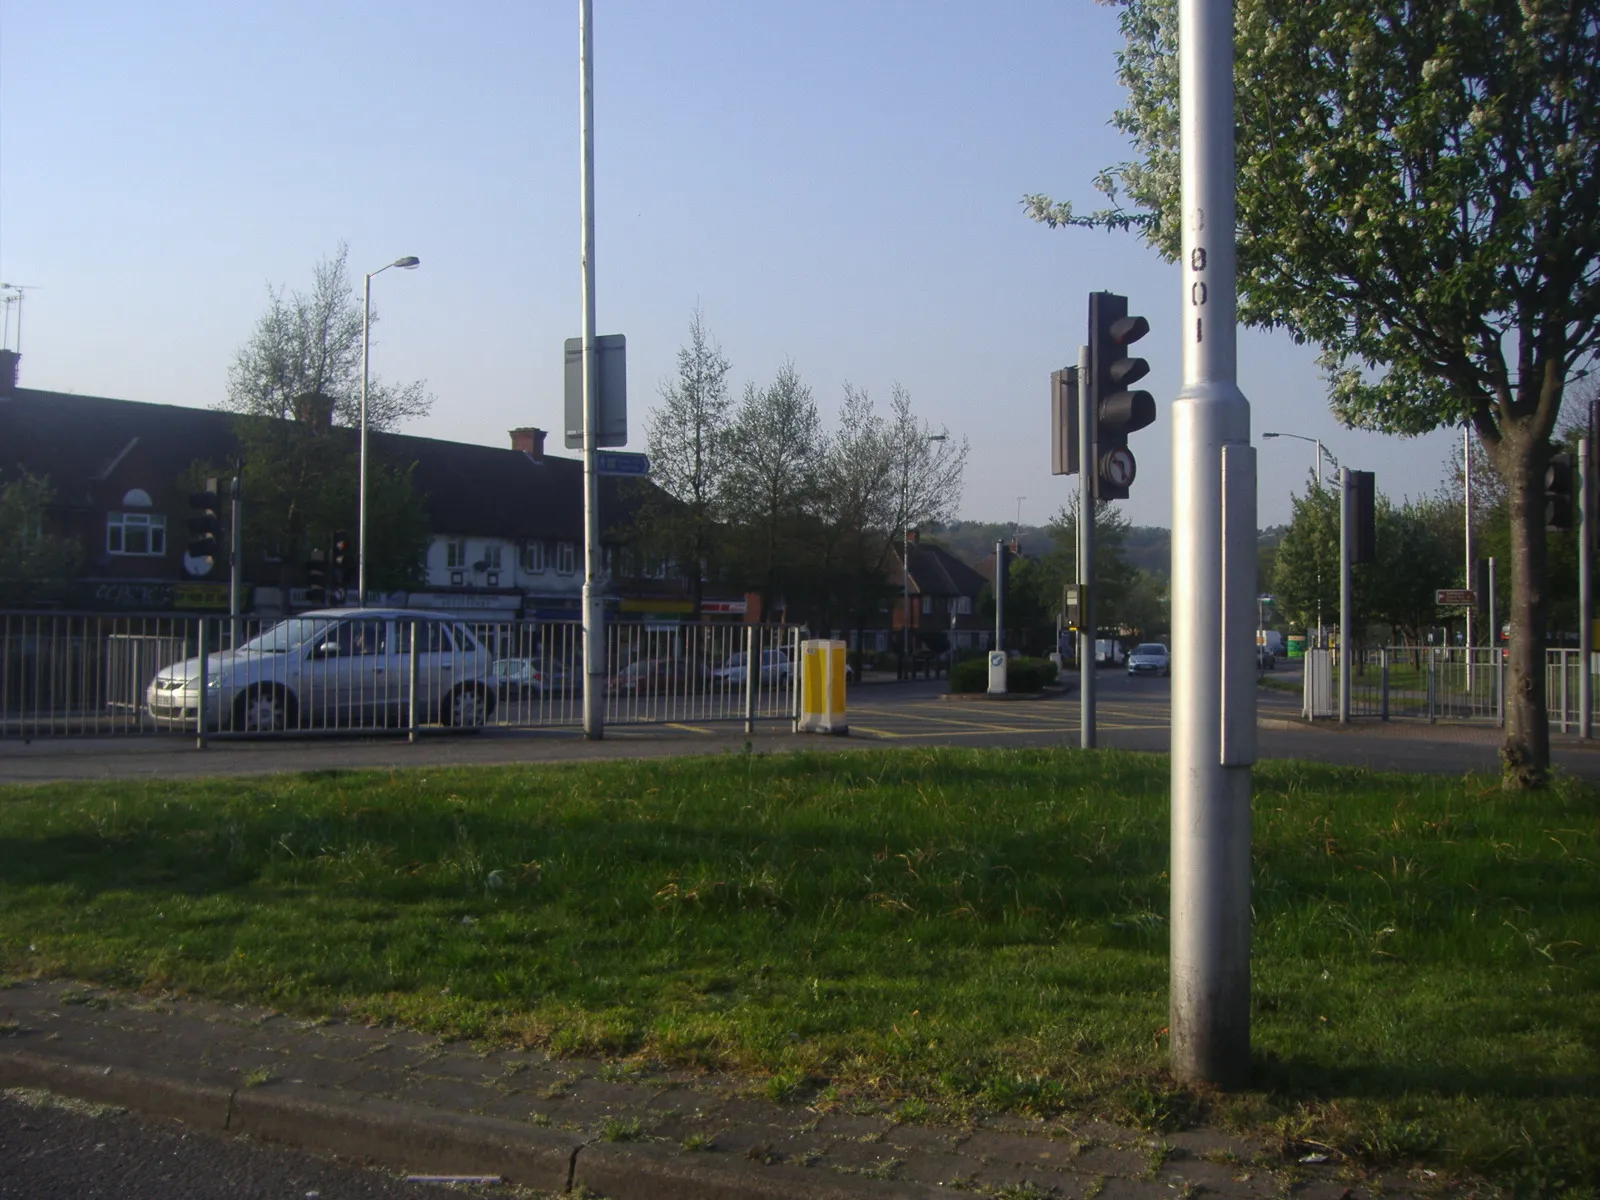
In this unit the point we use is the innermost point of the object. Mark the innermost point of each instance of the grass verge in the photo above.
(958, 928)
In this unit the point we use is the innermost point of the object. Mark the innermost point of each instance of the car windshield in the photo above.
(735, 660)
(287, 635)
(1151, 648)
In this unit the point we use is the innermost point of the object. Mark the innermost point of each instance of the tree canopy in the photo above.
(309, 344)
(1418, 195)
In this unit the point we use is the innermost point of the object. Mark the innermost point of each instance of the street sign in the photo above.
(1456, 598)
(611, 390)
(620, 462)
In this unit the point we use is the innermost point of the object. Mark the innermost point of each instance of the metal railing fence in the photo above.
(64, 675)
(1455, 683)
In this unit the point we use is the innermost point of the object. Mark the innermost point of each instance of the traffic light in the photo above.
(1118, 410)
(1064, 421)
(205, 527)
(1558, 491)
(341, 558)
(1363, 517)
(317, 580)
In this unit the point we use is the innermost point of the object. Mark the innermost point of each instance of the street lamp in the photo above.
(905, 553)
(408, 263)
(1321, 450)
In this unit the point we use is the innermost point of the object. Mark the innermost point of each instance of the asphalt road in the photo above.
(1132, 714)
(51, 1148)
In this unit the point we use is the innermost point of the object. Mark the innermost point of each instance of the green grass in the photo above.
(960, 928)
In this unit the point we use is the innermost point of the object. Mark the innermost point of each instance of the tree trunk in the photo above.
(1525, 754)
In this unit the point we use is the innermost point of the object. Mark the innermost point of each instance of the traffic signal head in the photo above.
(1558, 491)
(1118, 409)
(205, 527)
(317, 579)
(1364, 517)
(1064, 421)
(341, 556)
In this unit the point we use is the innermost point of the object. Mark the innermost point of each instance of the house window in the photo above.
(491, 556)
(961, 605)
(533, 558)
(455, 555)
(566, 558)
(136, 533)
(927, 605)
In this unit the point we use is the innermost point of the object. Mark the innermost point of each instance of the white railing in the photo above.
(363, 672)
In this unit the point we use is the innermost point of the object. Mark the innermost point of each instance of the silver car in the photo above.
(334, 668)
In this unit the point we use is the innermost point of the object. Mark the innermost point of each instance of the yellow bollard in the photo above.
(822, 700)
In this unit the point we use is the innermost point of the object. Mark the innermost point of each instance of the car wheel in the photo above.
(468, 708)
(263, 710)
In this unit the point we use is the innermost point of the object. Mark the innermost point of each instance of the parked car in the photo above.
(774, 668)
(334, 668)
(521, 677)
(1149, 658)
(1108, 652)
(656, 677)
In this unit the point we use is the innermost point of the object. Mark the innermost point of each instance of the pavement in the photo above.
(412, 1103)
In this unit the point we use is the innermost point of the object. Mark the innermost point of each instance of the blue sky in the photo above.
(833, 183)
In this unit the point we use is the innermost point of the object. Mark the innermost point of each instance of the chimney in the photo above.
(530, 441)
(8, 371)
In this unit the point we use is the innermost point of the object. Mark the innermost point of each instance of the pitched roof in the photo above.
(485, 491)
(937, 572)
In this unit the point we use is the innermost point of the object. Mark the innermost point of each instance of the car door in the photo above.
(435, 657)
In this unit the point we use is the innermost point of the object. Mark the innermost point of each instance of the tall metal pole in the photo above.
(1213, 578)
(235, 560)
(1585, 588)
(594, 651)
(1346, 517)
(361, 520)
(999, 596)
(905, 562)
(1466, 504)
(1088, 462)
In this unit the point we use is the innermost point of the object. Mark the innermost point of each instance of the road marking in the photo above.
(689, 728)
(883, 733)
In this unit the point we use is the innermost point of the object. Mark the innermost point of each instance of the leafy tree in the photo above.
(770, 490)
(1147, 607)
(928, 466)
(1415, 557)
(1113, 574)
(1419, 196)
(1306, 574)
(34, 564)
(309, 344)
(688, 442)
(300, 486)
(296, 387)
(855, 504)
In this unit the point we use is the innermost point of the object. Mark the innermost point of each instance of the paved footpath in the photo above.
(412, 1103)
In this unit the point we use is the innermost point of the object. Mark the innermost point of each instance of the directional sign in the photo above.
(1456, 598)
(620, 462)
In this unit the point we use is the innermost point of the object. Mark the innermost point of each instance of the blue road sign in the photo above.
(620, 462)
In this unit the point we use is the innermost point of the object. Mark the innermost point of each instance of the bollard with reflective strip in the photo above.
(822, 704)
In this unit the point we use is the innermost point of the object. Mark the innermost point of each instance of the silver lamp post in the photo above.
(905, 553)
(1321, 450)
(405, 264)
